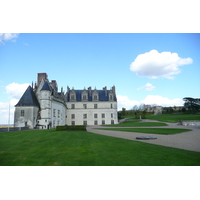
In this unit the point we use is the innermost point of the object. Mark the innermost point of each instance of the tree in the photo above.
(193, 104)
(123, 111)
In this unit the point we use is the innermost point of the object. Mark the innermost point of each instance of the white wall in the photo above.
(29, 118)
(102, 108)
(60, 114)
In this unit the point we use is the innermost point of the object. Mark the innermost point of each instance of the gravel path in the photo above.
(188, 140)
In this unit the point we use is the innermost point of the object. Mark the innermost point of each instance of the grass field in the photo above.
(173, 118)
(162, 131)
(81, 148)
(137, 123)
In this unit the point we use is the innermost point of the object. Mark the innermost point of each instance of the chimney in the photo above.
(54, 85)
(105, 89)
(41, 76)
(113, 90)
(90, 91)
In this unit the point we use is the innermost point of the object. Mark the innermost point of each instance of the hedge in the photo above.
(71, 128)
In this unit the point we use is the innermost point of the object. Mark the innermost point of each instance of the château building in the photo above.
(42, 106)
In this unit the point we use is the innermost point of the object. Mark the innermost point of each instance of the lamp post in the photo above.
(9, 118)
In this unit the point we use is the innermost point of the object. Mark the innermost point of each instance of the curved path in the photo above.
(189, 140)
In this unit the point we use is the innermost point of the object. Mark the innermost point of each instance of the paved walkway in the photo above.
(188, 140)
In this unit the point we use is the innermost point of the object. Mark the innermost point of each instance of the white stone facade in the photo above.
(92, 113)
(44, 107)
(26, 116)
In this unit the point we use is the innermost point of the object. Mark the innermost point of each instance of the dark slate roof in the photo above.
(28, 98)
(46, 86)
(102, 95)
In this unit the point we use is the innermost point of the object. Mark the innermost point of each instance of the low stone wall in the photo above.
(189, 122)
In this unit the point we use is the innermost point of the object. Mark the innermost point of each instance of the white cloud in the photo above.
(4, 113)
(154, 64)
(125, 102)
(16, 90)
(162, 101)
(8, 36)
(147, 87)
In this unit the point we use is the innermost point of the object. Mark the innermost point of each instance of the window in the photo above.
(85, 106)
(95, 122)
(103, 122)
(54, 112)
(73, 116)
(73, 123)
(58, 113)
(111, 97)
(95, 106)
(72, 97)
(103, 115)
(72, 106)
(111, 115)
(95, 115)
(85, 123)
(85, 116)
(111, 105)
(112, 121)
(95, 97)
(22, 112)
(84, 97)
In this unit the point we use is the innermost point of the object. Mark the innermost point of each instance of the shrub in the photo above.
(71, 128)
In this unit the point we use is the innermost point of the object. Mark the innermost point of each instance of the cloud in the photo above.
(16, 90)
(125, 102)
(162, 101)
(4, 113)
(7, 36)
(154, 64)
(147, 87)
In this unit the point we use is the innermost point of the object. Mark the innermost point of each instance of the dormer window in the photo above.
(72, 97)
(84, 95)
(111, 97)
(95, 96)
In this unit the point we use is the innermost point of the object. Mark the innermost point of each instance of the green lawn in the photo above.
(81, 148)
(163, 131)
(173, 118)
(138, 124)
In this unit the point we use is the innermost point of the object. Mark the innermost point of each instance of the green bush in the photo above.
(71, 128)
(60, 128)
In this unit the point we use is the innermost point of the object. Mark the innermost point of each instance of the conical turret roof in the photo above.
(28, 98)
(46, 86)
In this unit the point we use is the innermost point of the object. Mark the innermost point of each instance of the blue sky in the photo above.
(165, 67)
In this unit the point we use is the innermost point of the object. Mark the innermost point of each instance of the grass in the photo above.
(162, 131)
(81, 148)
(137, 124)
(173, 118)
